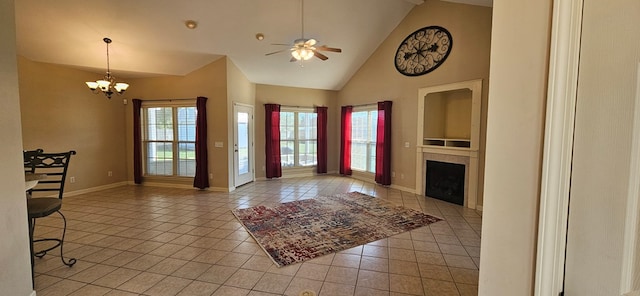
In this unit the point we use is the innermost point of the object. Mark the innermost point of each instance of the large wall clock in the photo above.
(423, 51)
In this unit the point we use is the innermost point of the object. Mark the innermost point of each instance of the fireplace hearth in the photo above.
(445, 181)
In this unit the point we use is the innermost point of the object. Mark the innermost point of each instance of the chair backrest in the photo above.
(55, 165)
(28, 156)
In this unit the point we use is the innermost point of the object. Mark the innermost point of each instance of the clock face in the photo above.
(423, 51)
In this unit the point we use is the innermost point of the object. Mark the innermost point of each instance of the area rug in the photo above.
(300, 230)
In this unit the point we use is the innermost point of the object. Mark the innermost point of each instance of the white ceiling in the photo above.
(150, 38)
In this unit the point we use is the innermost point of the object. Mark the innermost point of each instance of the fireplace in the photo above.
(445, 181)
(467, 159)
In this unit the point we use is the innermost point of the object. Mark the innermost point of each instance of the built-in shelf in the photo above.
(444, 142)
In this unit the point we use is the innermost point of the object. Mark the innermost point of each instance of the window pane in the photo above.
(187, 124)
(307, 126)
(286, 153)
(159, 124)
(159, 159)
(359, 126)
(307, 153)
(373, 126)
(287, 128)
(160, 129)
(364, 132)
(372, 158)
(359, 156)
(243, 143)
(187, 159)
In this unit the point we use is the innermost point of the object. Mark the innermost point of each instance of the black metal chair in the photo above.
(55, 166)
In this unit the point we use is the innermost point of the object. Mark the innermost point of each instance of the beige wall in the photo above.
(209, 81)
(448, 115)
(59, 113)
(458, 112)
(301, 97)
(518, 86)
(15, 274)
(239, 90)
(377, 79)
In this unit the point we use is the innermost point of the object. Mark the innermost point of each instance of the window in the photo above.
(298, 138)
(364, 125)
(169, 140)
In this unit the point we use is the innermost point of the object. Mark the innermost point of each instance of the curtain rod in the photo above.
(300, 107)
(363, 105)
(168, 100)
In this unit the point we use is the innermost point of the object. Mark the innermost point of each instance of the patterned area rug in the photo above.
(300, 230)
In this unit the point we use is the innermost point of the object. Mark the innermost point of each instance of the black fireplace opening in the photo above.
(445, 181)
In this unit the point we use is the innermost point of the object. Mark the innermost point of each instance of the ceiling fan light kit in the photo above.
(304, 49)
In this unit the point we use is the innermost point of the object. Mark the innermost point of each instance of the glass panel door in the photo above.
(243, 144)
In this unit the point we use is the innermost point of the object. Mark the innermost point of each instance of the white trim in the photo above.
(94, 189)
(33, 293)
(479, 208)
(633, 194)
(402, 188)
(178, 185)
(236, 175)
(558, 146)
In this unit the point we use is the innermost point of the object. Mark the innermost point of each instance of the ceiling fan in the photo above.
(302, 48)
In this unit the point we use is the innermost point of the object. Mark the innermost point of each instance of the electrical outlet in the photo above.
(393, 174)
(406, 145)
(109, 174)
(211, 176)
(72, 179)
(401, 176)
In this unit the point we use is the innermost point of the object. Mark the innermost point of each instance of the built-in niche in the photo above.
(447, 118)
(449, 115)
(449, 131)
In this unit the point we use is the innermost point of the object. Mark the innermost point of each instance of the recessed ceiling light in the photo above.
(260, 36)
(191, 24)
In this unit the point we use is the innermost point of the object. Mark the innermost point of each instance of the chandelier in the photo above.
(108, 85)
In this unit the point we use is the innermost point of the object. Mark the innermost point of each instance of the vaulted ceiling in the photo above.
(150, 37)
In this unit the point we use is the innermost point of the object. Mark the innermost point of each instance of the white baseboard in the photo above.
(479, 208)
(33, 293)
(176, 185)
(94, 189)
(402, 188)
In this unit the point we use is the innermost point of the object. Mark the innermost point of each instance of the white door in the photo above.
(242, 144)
(600, 251)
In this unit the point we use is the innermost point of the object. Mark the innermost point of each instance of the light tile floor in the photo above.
(137, 240)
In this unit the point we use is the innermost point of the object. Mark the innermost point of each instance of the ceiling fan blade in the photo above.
(279, 51)
(326, 48)
(310, 42)
(320, 56)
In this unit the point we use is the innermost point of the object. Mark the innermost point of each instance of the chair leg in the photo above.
(60, 243)
(33, 281)
(71, 261)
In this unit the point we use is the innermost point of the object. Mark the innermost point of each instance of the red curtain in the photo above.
(137, 142)
(383, 144)
(201, 179)
(272, 140)
(345, 140)
(322, 140)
